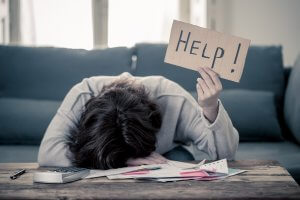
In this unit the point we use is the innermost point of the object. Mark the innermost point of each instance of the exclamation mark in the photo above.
(236, 56)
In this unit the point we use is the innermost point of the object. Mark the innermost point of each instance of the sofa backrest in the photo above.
(34, 81)
(150, 61)
(48, 73)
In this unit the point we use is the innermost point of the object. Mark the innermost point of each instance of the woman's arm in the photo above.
(53, 149)
(209, 125)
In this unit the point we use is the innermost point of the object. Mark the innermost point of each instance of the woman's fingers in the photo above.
(204, 87)
(208, 88)
(132, 162)
(159, 157)
(215, 78)
(199, 91)
(139, 161)
(208, 80)
(154, 158)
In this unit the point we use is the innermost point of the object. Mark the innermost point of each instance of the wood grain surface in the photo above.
(264, 180)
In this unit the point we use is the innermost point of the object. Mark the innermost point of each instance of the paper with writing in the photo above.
(171, 163)
(219, 166)
(101, 173)
(192, 47)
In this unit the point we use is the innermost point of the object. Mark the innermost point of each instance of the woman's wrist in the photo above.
(211, 113)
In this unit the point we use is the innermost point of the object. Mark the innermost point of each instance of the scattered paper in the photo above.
(167, 172)
(219, 166)
(169, 164)
(183, 165)
(171, 171)
(101, 173)
(232, 172)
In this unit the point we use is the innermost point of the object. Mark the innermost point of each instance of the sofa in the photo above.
(264, 106)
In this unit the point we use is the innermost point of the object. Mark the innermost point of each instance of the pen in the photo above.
(17, 174)
(153, 168)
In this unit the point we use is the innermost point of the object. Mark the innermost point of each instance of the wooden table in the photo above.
(265, 179)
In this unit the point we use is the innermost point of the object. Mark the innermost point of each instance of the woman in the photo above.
(114, 121)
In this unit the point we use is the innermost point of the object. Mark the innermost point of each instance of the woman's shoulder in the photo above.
(161, 87)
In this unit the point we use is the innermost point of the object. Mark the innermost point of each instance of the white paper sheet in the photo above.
(101, 173)
(182, 165)
(169, 169)
(219, 166)
(232, 172)
(173, 169)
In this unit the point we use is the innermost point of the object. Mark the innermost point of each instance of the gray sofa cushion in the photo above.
(263, 71)
(24, 121)
(150, 61)
(48, 73)
(292, 101)
(253, 113)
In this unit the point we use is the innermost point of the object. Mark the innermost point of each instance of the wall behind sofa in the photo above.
(265, 22)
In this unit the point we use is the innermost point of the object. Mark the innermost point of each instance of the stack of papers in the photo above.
(171, 171)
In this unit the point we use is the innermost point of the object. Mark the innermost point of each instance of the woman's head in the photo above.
(118, 124)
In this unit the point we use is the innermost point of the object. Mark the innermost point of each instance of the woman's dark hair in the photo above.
(118, 124)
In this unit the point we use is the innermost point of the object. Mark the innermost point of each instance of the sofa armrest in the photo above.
(292, 101)
(287, 72)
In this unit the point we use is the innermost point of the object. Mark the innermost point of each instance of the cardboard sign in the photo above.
(193, 47)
